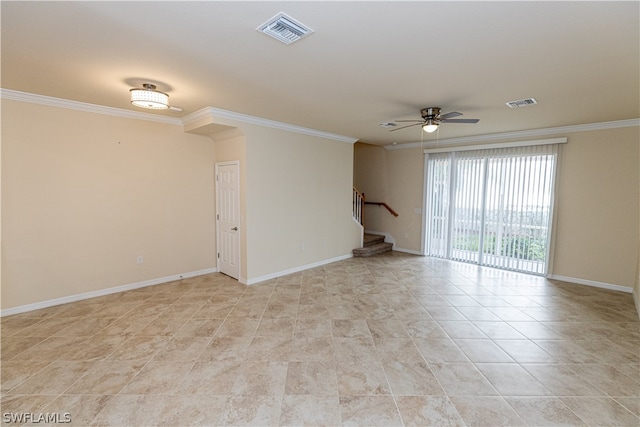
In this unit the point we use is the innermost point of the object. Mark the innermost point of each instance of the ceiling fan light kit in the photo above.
(431, 119)
(149, 97)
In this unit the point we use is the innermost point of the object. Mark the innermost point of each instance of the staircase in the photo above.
(373, 245)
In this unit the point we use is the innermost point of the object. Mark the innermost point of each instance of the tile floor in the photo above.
(389, 340)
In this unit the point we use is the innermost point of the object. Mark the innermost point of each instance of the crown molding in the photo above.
(521, 134)
(207, 112)
(211, 112)
(50, 101)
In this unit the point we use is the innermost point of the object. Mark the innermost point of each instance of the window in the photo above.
(492, 207)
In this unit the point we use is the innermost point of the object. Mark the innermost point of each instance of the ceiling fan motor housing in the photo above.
(430, 113)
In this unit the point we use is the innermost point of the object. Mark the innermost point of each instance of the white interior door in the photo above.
(228, 218)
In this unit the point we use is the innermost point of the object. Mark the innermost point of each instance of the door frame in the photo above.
(217, 215)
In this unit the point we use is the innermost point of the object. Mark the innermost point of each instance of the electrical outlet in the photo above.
(140, 260)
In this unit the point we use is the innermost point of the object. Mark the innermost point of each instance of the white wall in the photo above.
(83, 195)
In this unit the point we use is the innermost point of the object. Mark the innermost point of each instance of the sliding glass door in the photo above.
(492, 207)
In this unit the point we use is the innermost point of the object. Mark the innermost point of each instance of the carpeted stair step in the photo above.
(373, 244)
(372, 239)
(374, 249)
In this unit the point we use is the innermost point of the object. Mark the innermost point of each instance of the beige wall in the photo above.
(296, 195)
(636, 289)
(597, 207)
(393, 177)
(299, 201)
(597, 202)
(83, 195)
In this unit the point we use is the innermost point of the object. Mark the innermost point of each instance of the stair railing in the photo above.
(359, 200)
(358, 206)
(394, 213)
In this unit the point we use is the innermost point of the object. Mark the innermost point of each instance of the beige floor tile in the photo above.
(55, 378)
(275, 327)
(313, 328)
(386, 340)
(482, 351)
(185, 410)
(274, 349)
(311, 378)
(81, 409)
(632, 404)
(350, 328)
(511, 379)
(260, 379)
(310, 411)
(141, 348)
(24, 403)
(306, 349)
(130, 410)
(561, 380)
(182, 349)
(461, 329)
(440, 350)
(544, 411)
(157, 378)
(411, 378)
(200, 327)
(462, 379)
(363, 380)
(525, 351)
(424, 329)
(608, 379)
(15, 372)
(106, 377)
(428, 411)
(485, 411)
(499, 330)
(214, 378)
(15, 345)
(252, 411)
(369, 411)
(601, 411)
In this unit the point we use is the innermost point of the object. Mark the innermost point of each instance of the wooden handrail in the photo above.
(394, 213)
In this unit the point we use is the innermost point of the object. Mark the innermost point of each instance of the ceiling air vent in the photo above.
(522, 103)
(284, 28)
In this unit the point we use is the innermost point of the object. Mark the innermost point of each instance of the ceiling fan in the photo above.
(431, 119)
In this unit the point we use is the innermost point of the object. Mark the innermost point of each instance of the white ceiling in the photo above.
(366, 63)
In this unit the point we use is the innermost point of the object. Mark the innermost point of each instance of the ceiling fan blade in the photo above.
(409, 121)
(404, 127)
(460, 120)
(450, 115)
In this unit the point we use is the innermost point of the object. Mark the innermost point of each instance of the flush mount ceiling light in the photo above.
(149, 97)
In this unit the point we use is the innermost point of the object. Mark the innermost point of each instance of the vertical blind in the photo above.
(492, 207)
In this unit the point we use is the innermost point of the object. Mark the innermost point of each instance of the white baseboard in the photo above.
(294, 270)
(591, 283)
(636, 299)
(408, 251)
(102, 292)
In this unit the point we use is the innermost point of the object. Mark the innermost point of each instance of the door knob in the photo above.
(234, 229)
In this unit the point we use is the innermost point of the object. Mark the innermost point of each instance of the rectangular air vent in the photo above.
(284, 28)
(522, 103)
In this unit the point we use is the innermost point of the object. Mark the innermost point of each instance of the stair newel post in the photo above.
(362, 208)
